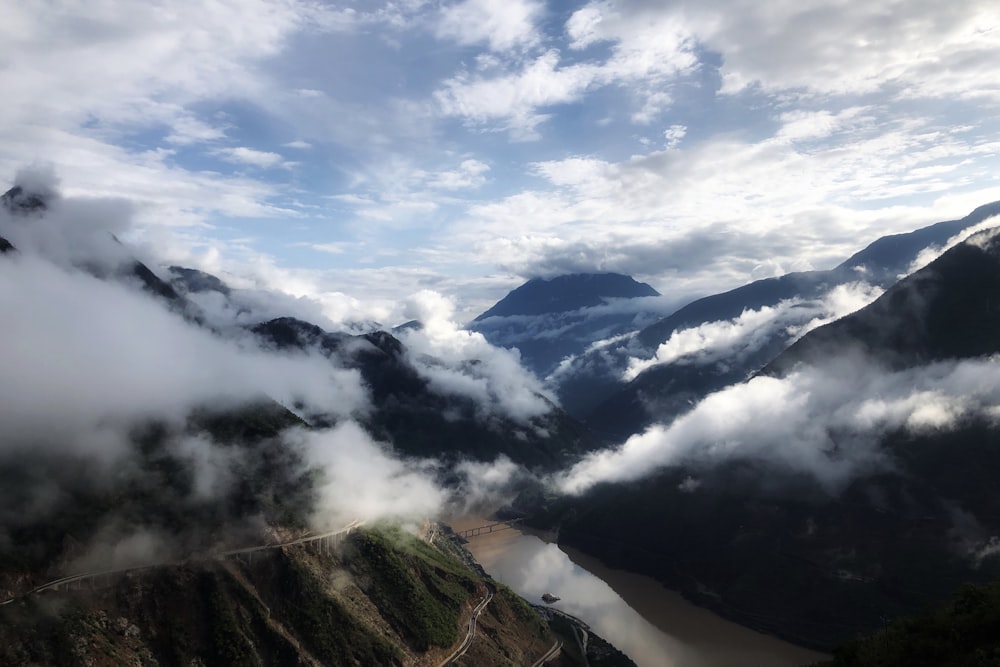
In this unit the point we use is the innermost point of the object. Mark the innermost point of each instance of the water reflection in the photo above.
(695, 637)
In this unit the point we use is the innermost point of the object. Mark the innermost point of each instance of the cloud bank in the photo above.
(824, 421)
(731, 341)
(462, 363)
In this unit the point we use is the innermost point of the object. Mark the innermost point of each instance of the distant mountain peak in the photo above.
(195, 281)
(20, 201)
(567, 293)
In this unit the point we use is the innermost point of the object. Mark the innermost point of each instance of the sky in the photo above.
(358, 153)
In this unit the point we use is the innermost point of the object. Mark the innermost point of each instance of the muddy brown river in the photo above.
(656, 627)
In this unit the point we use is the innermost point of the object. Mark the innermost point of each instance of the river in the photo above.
(656, 627)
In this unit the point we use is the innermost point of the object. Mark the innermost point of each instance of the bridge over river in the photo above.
(487, 528)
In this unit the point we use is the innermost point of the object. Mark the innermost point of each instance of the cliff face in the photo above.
(382, 597)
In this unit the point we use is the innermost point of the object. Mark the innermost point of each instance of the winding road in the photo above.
(460, 651)
(553, 652)
(64, 582)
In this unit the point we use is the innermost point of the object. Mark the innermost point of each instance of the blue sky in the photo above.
(356, 153)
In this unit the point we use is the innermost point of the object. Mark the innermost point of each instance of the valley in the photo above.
(499, 333)
(651, 624)
(785, 465)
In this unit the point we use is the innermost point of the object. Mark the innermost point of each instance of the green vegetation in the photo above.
(522, 610)
(325, 626)
(966, 633)
(418, 589)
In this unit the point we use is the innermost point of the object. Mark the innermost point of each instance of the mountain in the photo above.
(964, 632)
(19, 201)
(549, 320)
(165, 484)
(379, 597)
(948, 310)
(421, 422)
(193, 280)
(541, 296)
(592, 389)
(904, 391)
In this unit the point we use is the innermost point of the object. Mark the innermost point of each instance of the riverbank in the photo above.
(655, 626)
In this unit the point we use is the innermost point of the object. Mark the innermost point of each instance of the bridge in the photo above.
(325, 543)
(488, 528)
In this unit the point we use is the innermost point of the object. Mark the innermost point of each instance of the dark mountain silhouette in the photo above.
(190, 484)
(193, 280)
(420, 422)
(570, 292)
(24, 203)
(770, 547)
(594, 392)
(950, 309)
(19, 201)
(6, 246)
(882, 262)
(549, 320)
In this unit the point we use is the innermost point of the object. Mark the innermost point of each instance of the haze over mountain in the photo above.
(627, 382)
(547, 320)
(260, 426)
(153, 424)
(90, 327)
(246, 312)
(851, 480)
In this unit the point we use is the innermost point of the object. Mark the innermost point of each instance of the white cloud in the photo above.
(363, 480)
(641, 60)
(463, 363)
(502, 24)
(470, 174)
(844, 47)
(674, 135)
(705, 216)
(840, 47)
(824, 421)
(250, 156)
(732, 340)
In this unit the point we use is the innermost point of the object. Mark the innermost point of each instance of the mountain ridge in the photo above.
(565, 293)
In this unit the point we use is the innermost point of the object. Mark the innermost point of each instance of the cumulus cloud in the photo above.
(470, 174)
(929, 254)
(463, 363)
(92, 365)
(823, 421)
(502, 24)
(68, 233)
(837, 47)
(87, 361)
(731, 341)
(93, 351)
(517, 99)
(485, 485)
(361, 479)
(250, 156)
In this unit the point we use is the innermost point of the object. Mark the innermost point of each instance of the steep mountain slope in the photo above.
(965, 632)
(593, 387)
(759, 537)
(564, 293)
(29, 207)
(163, 477)
(382, 597)
(948, 310)
(549, 320)
(421, 422)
